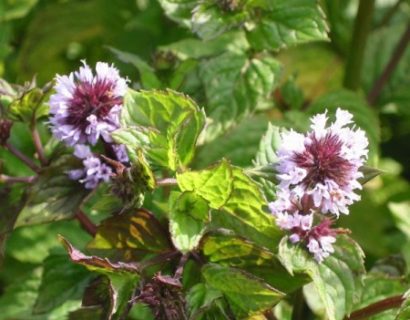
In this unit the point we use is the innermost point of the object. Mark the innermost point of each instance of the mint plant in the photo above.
(206, 183)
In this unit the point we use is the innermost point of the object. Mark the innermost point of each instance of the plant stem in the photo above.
(375, 308)
(300, 309)
(86, 223)
(28, 162)
(10, 180)
(181, 264)
(358, 44)
(390, 13)
(391, 65)
(38, 145)
(166, 182)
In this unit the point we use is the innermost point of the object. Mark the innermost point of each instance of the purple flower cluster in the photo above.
(94, 170)
(84, 108)
(318, 174)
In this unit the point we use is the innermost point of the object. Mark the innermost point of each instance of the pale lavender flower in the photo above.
(93, 172)
(324, 163)
(85, 106)
(320, 240)
(120, 153)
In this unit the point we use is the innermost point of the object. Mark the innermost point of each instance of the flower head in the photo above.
(324, 163)
(85, 106)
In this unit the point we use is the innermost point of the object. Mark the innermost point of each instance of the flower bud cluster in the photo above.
(318, 175)
(85, 109)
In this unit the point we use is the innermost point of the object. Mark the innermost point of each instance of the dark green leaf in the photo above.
(147, 73)
(130, 235)
(236, 86)
(288, 22)
(245, 293)
(102, 265)
(229, 250)
(209, 20)
(54, 196)
(239, 145)
(56, 289)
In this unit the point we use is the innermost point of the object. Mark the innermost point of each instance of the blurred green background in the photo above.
(41, 38)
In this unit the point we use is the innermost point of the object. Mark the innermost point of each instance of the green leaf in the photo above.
(130, 236)
(235, 86)
(55, 289)
(230, 250)
(238, 145)
(179, 10)
(32, 105)
(401, 211)
(54, 196)
(203, 300)
(147, 73)
(244, 213)
(364, 116)
(16, 302)
(124, 276)
(209, 20)
(169, 121)
(266, 159)
(268, 146)
(238, 199)
(188, 217)
(192, 48)
(94, 263)
(287, 22)
(213, 184)
(245, 293)
(337, 280)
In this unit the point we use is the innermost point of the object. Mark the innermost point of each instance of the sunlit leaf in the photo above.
(169, 122)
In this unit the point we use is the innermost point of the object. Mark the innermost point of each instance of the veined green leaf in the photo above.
(55, 289)
(130, 236)
(188, 216)
(337, 280)
(54, 196)
(213, 184)
(238, 200)
(235, 86)
(287, 22)
(246, 294)
(230, 250)
(166, 123)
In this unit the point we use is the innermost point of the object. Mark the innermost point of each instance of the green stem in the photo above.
(300, 309)
(358, 44)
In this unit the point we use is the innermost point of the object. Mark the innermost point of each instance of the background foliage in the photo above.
(249, 66)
